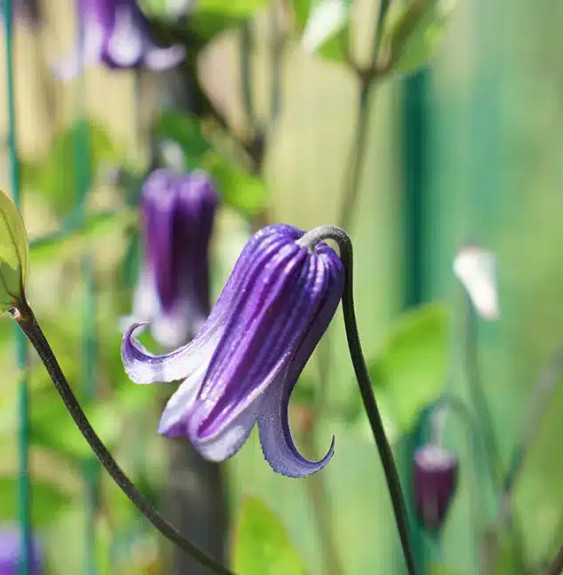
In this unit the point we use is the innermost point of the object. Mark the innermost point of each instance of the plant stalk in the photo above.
(23, 314)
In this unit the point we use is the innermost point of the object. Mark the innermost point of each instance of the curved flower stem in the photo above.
(556, 567)
(310, 240)
(23, 314)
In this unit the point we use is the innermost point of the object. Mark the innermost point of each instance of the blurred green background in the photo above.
(478, 159)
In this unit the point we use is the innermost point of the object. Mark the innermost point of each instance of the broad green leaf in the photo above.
(14, 253)
(414, 34)
(261, 543)
(55, 176)
(48, 500)
(301, 9)
(245, 192)
(411, 368)
(326, 24)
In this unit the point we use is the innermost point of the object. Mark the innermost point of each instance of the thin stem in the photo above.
(478, 395)
(556, 567)
(318, 494)
(309, 240)
(23, 314)
(357, 155)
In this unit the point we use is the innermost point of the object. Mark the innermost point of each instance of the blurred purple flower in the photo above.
(244, 363)
(11, 552)
(177, 221)
(435, 482)
(116, 33)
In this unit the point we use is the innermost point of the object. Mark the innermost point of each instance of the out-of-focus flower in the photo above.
(26, 10)
(11, 553)
(435, 481)
(475, 267)
(116, 33)
(244, 363)
(177, 221)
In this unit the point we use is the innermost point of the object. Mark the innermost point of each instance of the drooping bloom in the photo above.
(116, 33)
(177, 221)
(435, 481)
(243, 364)
(475, 267)
(11, 553)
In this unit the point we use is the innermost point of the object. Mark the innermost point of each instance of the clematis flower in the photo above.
(116, 33)
(177, 221)
(435, 481)
(243, 364)
(11, 553)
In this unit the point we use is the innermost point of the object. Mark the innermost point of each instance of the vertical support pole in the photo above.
(414, 159)
(83, 178)
(24, 488)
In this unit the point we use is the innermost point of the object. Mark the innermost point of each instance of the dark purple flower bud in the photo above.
(11, 553)
(177, 221)
(244, 363)
(435, 481)
(116, 33)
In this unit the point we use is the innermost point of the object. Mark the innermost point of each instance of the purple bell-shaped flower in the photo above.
(243, 364)
(116, 33)
(435, 482)
(11, 553)
(177, 221)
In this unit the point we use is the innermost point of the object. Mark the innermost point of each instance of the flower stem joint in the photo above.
(243, 364)
(435, 482)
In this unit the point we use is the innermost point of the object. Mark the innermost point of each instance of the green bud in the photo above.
(14, 254)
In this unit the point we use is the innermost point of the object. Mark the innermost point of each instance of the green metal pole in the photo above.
(414, 114)
(24, 489)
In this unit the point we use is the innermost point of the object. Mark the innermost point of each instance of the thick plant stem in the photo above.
(556, 567)
(310, 240)
(23, 314)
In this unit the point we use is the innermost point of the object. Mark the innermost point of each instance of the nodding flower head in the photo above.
(11, 552)
(435, 482)
(244, 363)
(116, 33)
(177, 221)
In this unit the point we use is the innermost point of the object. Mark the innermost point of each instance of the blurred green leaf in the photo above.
(243, 8)
(48, 500)
(414, 34)
(14, 253)
(75, 235)
(262, 544)
(245, 192)
(436, 569)
(55, 176)
(411, 368)
(326, 27)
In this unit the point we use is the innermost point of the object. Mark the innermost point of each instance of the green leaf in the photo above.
(243, 191)
(75, 235)
(414, 34)
(326, 27)
(437, 569)
(14, 253)
(411, 368)
(48, 500)
(55, 176)
(262, 544)
(240, 8)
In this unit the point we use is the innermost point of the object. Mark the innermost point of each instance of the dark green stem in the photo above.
(310, 240)
(24, 488)
(28, 324)
(556, 567)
